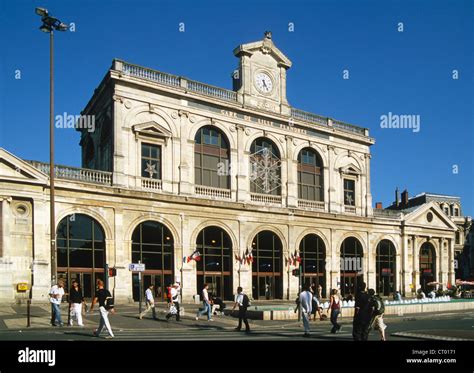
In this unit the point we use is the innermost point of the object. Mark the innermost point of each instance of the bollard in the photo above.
(28, 304)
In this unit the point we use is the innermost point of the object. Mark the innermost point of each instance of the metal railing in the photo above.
(309, 117)
(348, 127)
(74, 173)
(217, 193)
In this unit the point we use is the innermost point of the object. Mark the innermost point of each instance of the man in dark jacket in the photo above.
(362, 314)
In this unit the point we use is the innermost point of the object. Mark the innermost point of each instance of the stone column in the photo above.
(119, 177)
(442, 262)
(335, 266)
(186, 270)
(242, 167)
(451, 271)
(292, 172)
(416, 263)
(368, 194)
(186, 156)
(370, 264)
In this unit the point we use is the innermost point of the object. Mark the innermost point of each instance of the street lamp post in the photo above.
(51, 24)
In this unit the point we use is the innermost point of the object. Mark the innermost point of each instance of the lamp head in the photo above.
(41, 12)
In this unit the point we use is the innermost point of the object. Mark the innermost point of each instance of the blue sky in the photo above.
(407, 72)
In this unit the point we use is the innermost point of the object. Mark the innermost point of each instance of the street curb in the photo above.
(429, 337)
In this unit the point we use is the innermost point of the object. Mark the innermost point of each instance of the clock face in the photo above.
(263, 82)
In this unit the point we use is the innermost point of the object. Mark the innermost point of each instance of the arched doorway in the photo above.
(267, 279)
(80, 251)
(153, 245)
(351, 266)
(427, 265)
(385, 259)
(215, 266)
(313, 255)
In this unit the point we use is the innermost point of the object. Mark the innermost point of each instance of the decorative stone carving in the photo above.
(128, 104)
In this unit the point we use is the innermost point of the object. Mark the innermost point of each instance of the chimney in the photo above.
(405, 198)
(397, 197)
(378, 205)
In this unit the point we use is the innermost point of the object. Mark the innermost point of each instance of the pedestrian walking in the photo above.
(106, 305)
(306, 300)
(315, 307)
(150, 302)
(174, 302)
(206, 304)
(362, 314)
(76, 300)
(377, 308)
(242, 300)
(55, 297)
(335, 308)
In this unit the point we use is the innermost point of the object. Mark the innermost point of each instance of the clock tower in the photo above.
(261, 76)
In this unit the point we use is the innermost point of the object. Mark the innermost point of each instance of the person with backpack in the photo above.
(335, 307)
(243, 301)
(378, 309)
(206, 304)
(106, 305)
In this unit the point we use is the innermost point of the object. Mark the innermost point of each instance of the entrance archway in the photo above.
(267, 279)
(80, 251)
(313, 255)
(427, 265)
(215, 266)
(385, 259)
(351, 266)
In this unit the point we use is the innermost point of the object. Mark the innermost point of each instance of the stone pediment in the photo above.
(265, 46)
(151, 129)
(429, 215)
(14, 169)
(350, 170)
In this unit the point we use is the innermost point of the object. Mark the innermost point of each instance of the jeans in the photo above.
(243, 317)
(305, 316)
(207, 309)
(335, 326)
(57, 314)
(104, 321)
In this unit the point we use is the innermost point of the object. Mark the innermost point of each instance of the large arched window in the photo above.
(153, 245)
(351, 266)
(265, 167)
(211, 158)
(313, 257)
(80, 251)
(215, 266)
(310, 175)
(267, 252)
(427, 265)
(385, 267)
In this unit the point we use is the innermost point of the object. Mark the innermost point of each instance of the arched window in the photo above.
(80, 251)
(265, 167)
(351, 266)
(313, 257)
(153, 245)
(385, 267)
(310, 175)
(427, 265)
(215, 266)
(211, 158)
(267, 253)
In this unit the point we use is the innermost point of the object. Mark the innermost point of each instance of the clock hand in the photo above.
(263, 81)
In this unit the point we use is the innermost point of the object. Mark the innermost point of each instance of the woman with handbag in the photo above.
(75, 303)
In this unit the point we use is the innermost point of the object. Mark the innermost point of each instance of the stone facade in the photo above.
(135, 106)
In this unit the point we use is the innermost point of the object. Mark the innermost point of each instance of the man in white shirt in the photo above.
(242, 300)
(306, 298)
(150, 302)
(55, 297)
(206, 304)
